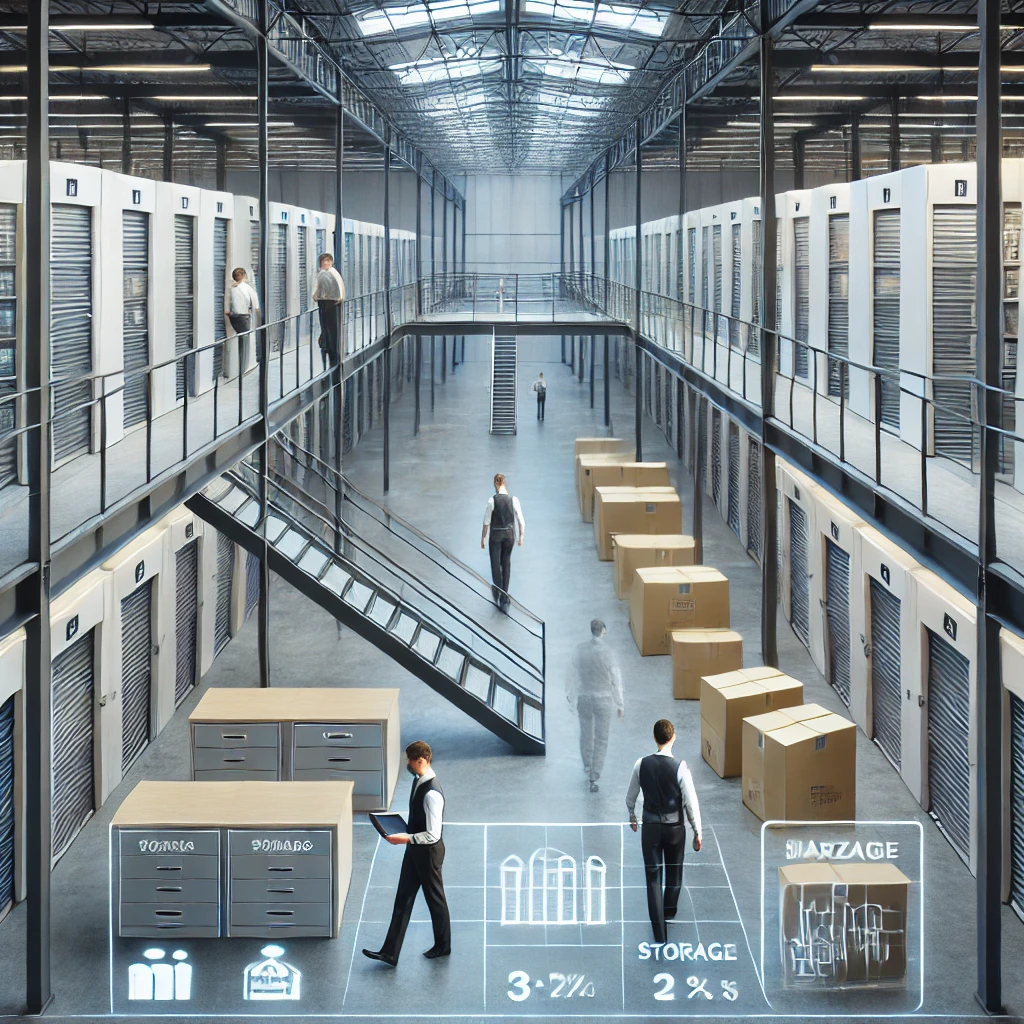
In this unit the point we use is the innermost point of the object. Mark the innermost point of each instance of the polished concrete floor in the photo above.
(440, 481)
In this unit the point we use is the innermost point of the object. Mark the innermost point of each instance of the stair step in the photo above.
(450, 662)
(291, 544)
(505, 703)
(249, 513)
(359, 595)
(234, 499)
(382, 611)
(533, 720)
(275, 526)
(405, 627)
(426, 645)
(314, 560)
(336, 579)
(478, 682)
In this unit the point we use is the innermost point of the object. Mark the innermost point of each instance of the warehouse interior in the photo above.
(239, 575)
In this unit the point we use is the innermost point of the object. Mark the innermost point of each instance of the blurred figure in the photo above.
(540, 386)
(329, 295)
(595, 691)
(500, 516)
(243, 302)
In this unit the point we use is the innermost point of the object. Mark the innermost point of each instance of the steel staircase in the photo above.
(503, 384)
(393, 586)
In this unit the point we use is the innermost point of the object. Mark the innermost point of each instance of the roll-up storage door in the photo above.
(225, 572)
(837, 618)
(734, 478)
(321, 243)
(1017, 803)
(6, 805)
(716, 458)
(252, 583)
(1012, 224)
(184, 298)
(254, 255)
(838, 300)
(303, 270)
(778, 280)
(278, 283)
(716, 235)
(135, 333)
(136, 671)
(8, 342)
(756, 262)
(691, 294)
(886, 310)
(802, 287)
(799, 583)
(72, 732)
(346, 415)
(954, 279)
(71, 327)
(754, 498)
(186, 619)
(220, 273)
(885, 671)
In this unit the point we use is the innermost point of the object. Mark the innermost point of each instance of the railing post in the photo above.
(843, 376)
(924, 448)
(263, 140)
(878, 427)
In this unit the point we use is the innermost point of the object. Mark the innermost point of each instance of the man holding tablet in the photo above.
(421, 866)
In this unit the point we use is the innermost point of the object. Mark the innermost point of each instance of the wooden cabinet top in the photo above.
(301, 704)
(264, 805)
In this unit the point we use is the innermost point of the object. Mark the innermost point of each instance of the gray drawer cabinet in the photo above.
(236, 752)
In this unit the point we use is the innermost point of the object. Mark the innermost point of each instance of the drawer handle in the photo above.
(272, 868)
(168, 867)
(280, 888)
(280, 913)
(338, 736)
(339, 759)
(233, 760)
(234, 736)
(169, 924)
(168, 913)
(168, 888)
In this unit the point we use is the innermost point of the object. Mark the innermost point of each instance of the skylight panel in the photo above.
(629, 19)
(606, 73)
(565, 10)
(423, 72)
(386, 19)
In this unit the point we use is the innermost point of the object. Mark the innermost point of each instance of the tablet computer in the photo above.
(388, 824)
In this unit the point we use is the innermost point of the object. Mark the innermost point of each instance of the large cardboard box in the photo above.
(700, 652)
(632, 551)
(597, 471)
(800, 764)
(676, 597)
(598, 446)
(728, 698)
(634, 510)
(586, 462)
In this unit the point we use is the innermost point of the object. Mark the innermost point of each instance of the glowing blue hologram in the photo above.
(159, 980)
(271, 978)
(511, 889)
(596, 872)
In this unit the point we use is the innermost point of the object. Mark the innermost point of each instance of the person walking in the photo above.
(668, 794)
(594, 692)
(421, 865)
(329, 295)
(503, 511)
(243, 302)
(540, 386)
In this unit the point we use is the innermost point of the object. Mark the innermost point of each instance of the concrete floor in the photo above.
(440, 482)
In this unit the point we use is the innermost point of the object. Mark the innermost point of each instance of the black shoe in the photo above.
(433, 953)
(379, 954)
(670, 914)
(593, 786)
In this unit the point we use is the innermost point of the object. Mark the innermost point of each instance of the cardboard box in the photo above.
(676, 597)
(800, 764)
(856, 907)
(726, 699)
(597, 446)
(585, 463)
(634, 510)
(700, 652)
(598, 471)
(632, 551)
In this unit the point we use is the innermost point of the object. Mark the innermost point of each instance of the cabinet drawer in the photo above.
(347, 758)
(170, 916)
(366, 783)
(308, 915)
(278, 868)
(170, 890)
(168, 843)
(280, 931)
(263, 759)
(170, 869)
(235, 735)
(297, 843)
(225, 775)
(361, 734)
(281, 890)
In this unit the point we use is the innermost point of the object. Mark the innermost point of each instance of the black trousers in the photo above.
(662, 845)
(541, 399)
(421, 869)
(502, 542)
(240, 322)
(330, 329)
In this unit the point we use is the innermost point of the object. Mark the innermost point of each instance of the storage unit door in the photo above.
(716, 458)
(838, 300)
(705, 288)
(885, 671)
(716, 236)
(6, 805)
(71, 327)
(837, 618)
(186, 619)
(346, 415)
(254, 256)
(8, 342)
(949, 777)
(184, 298)
(304, 291)
(754, 338)
(954, 278)
(72, 731)
(225, 571)
(252, 583)
(691, 295)
(734, 303)
(778, 281)
(220, 273)
(802, 286)
(754, 499)
(1017, 803)
(886, 310)
(278, 283)
(321, 242)
(136, 672)
(734, 477)
(799, 584)
(135, 333)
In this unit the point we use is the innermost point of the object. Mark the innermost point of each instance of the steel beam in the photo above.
(894, 133)
(638, 300)
(126, 135)
(168, 170)
(607, 266)
(387, 313)
(856, 169)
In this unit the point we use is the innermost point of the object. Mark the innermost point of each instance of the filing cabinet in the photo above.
(253, 859)
(301, 734)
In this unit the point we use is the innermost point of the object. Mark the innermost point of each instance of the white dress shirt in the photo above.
(433, 808)
(685, 780)
(516, 508)
(244, 300)
(330, 287)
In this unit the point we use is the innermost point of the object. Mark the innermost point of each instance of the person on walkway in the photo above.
(540, 385)
(668, 794)
(594, 693)
(243, 302)
(421, 865)
(503, 511)
(329, 295)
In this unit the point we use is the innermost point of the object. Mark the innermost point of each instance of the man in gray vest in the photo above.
(500, 516)
(668, 795)
(594, 692)
(329, 295)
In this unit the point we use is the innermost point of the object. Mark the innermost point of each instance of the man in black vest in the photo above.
(421, 866)
(668, 794)
(500, 516)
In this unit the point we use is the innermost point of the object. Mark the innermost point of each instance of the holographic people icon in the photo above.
(156, 980)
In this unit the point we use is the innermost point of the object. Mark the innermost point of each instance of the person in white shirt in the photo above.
(421, 865)
(540, 386)
(243, 302)
(594, 691)
(329, 295)
(668, 795)
(500, 516)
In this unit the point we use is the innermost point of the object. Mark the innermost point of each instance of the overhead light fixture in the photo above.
(909, 26)
(62, 25)
(165, 69)
(818, 98)
(877, 69)
(249, 124)
(230, 98)
(54, 99)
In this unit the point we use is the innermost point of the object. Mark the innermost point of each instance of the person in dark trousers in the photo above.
(243, 302)
(540, 385)
(421, 865)
(329, 295)
(668, 795)
(500, 516)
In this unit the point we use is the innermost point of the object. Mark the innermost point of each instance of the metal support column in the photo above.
(462, 356)
(593, 346)
(387, 310)
(38, 688)
(580, 368)
(126, 135)
(607, 269)
(769, 498)
(561, 259)
(799, 155)
(894, 132)
(419, 290)
(444, 274)
(988, 699)
(637, 301)
(856, 170)
(222, 164)
(698, 431)
(337, 393)
(168, 171)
